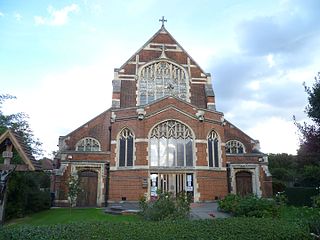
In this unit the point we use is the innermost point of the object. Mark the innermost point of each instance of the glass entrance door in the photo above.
(171, 182)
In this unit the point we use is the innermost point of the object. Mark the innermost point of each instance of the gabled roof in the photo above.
(162, 30)
(23, 150)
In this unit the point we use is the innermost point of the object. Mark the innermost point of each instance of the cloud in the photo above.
(259, 84)
(17, 16)
(1, 14)
(281, 132)
(64, 101)
(57, 17)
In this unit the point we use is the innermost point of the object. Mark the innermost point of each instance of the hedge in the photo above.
(300, 196)
(231, 228)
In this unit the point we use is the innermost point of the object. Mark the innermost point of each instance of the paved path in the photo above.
(206, 211)
(198, 210)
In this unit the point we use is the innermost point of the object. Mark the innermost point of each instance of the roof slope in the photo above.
(23, 150)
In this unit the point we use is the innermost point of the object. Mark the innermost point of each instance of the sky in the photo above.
(58, 57)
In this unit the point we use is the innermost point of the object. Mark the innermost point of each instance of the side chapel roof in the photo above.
(23, 150)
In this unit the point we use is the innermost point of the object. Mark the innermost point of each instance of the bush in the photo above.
(166, 207)
(223, 229)
(28, 192)
(300, 196)
(316, 201)
(249, 206)
(229, 203)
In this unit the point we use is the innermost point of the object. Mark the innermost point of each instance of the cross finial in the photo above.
(162, 20)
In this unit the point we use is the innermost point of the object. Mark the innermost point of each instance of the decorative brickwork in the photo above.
(177, 138)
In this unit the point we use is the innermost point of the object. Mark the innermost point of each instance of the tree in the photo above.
(309, 151)
(74, 190)
(18, 122)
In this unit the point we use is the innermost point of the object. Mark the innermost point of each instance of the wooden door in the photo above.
(88, 183)
(244, 183)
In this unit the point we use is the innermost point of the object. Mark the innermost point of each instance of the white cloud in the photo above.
(1, 14)
(270, 60)
(39, 20)
(276, 135)
(57, 17)
(64, 101)
(17, 16)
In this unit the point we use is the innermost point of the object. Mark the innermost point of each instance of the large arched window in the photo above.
(235, 147)
(88, 145)
(171, 145)
(162, 78)
(125, 148)
(213, 149)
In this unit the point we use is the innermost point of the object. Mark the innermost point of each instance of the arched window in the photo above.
(88, 145)
(235, 147)
(171, 145)
(162, 78)
(126, 148)
(213, 149)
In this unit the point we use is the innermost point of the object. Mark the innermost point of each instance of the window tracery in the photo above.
(126, 148)
(171, 145)
(161, 79)
(213, 149)
(235, 147)
(88, 145)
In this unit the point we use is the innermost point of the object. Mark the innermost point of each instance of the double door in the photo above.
(171, 182)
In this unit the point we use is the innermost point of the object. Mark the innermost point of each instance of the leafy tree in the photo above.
(19, 123)
(309, 151)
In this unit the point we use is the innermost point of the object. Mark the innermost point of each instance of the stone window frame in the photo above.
(125, 132)
(216, 154)
(88, 141)
(186, 74)
(191, 135)
(236, 145)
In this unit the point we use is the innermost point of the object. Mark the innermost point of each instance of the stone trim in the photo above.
(254, 169)
(97, 167)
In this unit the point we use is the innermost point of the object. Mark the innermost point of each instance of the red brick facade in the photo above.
(117, 143)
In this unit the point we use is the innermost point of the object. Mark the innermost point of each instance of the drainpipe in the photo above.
(106, 196)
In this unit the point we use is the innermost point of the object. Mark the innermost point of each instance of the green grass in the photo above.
(92, 223)
(64, 215)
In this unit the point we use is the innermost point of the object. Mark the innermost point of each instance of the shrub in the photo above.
(229, 203)
(281, 199)
(316, 201)
(28, 192)
(249, 206)
(166, 207)
(300, 196)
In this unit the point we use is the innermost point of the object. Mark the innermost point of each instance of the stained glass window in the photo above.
(235, 147)
(125, 148)
(213, 149)
(88, 145)
(161, 79)
(171, 145)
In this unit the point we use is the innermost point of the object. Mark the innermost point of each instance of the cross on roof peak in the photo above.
(162, 20)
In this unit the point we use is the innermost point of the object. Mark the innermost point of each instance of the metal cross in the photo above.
(162, 20)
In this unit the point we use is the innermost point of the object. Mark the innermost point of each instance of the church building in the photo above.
(163, 132)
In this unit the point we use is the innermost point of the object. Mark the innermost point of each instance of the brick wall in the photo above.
(128, 184)
(212, 185)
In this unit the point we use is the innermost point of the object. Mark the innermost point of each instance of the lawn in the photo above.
(64, 215)
(94, 224)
